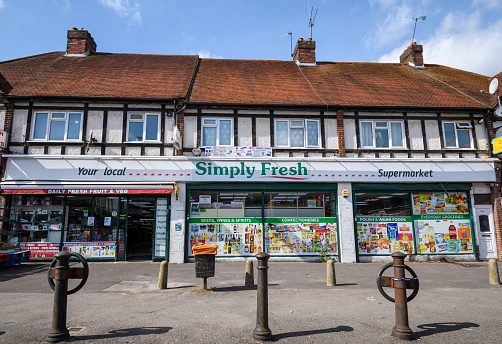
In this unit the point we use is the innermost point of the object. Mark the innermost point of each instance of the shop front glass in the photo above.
(92, 224)
(292, 223)
(38, 222)
(413, 222)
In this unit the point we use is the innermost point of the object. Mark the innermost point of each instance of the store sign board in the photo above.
(497, 145)
(3, 138)
(217, 169)
(18, 191)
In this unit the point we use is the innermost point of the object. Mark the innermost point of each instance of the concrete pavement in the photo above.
(120, 304)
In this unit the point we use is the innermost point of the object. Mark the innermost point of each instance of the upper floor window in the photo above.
(217, 132)
(57, 126)
(297, 133)
(382, 134)
(457, 134)
(143, 127)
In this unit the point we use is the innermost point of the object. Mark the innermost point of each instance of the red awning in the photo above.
(100, 191)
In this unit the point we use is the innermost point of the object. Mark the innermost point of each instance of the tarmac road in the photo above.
(120, 304)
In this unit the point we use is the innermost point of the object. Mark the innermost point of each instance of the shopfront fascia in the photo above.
(300, 187)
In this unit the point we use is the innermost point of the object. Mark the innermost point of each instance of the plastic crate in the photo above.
(15, 260)
(4, 257)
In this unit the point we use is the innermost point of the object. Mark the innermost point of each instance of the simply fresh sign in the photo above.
(252, 170)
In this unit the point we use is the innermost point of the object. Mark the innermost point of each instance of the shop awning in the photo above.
(19, 188)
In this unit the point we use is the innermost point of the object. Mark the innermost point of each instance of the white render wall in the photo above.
(245, 132)
(190, 132)
(178, 216)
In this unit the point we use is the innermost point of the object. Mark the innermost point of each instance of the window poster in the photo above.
(444, 235)
(161, 218)
(384, 235)
(440, 203)
(233, 236)
(104, 249)
(442, 223)
(301, 236)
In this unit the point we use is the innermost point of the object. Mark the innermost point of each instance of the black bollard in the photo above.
(402, 329)
(262, 332)
(59, 331)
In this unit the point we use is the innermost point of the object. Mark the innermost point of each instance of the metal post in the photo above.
(330, 273)
(262, 331)
(249, 278)
(59, 331)
(402, 330)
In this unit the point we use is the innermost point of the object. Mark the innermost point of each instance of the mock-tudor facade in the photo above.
(118, 156)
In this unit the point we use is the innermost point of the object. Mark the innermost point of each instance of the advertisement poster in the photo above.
(301, 236)
(161, 218)
(442, 223)
(238, 151)
(440, 203)
(451, 235)
(40, 249)
(233, 236)
(105, 249)
(384, 235)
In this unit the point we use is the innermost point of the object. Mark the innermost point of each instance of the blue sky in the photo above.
(465, 34)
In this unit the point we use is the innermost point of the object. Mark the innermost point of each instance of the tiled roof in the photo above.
(100, 75)
(337, 84)
(244, 82)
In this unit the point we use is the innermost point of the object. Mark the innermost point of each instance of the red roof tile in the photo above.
(100, 75)
(337, 84)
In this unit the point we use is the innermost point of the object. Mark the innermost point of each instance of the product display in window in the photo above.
(232, 236)
(301, 236)
(384, 235)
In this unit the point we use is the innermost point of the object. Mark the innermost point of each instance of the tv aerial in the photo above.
(291, 36)
(312, 19)
(416, 19)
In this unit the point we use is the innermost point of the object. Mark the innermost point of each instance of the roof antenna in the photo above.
(291, 36)
(311, 19)
(415, 19)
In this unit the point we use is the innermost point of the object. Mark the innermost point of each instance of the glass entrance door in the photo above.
(140, 228)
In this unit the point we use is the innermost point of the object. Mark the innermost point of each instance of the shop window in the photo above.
(143, 127)
(457, 135)
(217, 132)
(57, 126)
(38, 224)
(297, 133)
(382, 134)
(383, 204)
(294, 223)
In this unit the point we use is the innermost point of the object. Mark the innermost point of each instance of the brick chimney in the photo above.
(80, 43)
(413, 54)
(304, 54)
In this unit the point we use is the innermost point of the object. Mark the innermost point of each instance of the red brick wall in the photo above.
(79, 42)
(341, 133)
(180, 121)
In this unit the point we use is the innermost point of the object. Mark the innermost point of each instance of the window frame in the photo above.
(50, 119)
(458, 126)
(144, 121)
(304, 126)
(217, 126)
(388, 127)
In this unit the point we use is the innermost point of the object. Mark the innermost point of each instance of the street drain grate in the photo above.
(75, 329)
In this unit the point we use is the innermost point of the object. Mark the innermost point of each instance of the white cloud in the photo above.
(2, 4)
(397, 24)
(125, 9)
(62, 4)
(207, 54)
(487, 3)
(468, 46)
